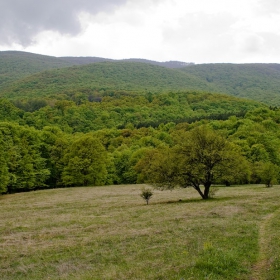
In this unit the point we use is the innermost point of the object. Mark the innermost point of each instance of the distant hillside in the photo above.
(24, 75)
(88, 60)
(16, 65)
(259, 82)
(116, 76)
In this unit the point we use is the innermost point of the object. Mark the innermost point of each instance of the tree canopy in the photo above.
(85, 163)
(201, 157)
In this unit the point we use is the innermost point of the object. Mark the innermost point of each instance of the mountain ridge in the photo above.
(20, 72)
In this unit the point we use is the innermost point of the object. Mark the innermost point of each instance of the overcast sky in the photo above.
(199, 31)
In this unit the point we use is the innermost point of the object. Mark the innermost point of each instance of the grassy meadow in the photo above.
(110, 233)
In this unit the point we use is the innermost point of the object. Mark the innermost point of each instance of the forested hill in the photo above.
(24, 75)
(16, 65)
(87, 60)
(259, 82)
(116, 76)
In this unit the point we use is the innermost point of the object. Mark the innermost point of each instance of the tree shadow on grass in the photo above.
(200, 200)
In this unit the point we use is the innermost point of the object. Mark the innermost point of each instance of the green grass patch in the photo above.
(110, 233)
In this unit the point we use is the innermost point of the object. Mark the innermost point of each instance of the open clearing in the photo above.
(110, 233)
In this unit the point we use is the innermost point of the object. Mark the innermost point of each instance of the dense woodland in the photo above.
(98, 123)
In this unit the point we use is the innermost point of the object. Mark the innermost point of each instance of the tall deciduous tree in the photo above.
(26, 167)
(267, 172)
(4, 172)
(56, 160)
(85, 163)
(200, 159)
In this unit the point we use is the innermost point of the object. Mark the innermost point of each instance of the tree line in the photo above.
(198, 154)
(121, 109)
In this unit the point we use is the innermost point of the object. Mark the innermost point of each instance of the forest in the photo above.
(76, 145)
(104, 123)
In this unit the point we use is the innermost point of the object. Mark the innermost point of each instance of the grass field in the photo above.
(110, 233)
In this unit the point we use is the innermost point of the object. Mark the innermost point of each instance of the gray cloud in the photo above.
(21, 20)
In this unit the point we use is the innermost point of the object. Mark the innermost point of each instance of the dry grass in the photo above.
(110, 233)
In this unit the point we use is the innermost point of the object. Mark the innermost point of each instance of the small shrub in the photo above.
(146, 194)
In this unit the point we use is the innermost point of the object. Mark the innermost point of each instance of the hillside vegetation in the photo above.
(45, 149)
(126, 76)
(121, 109)
(260, 82)
(88, 60)
(16, 65)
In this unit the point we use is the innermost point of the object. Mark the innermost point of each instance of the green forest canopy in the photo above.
(23, 75)
(38, 152)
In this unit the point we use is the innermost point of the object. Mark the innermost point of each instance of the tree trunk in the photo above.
(207, 186)
(197, 188)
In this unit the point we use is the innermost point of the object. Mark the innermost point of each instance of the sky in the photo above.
(199, 31)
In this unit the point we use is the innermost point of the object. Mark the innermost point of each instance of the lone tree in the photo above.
(201, 158)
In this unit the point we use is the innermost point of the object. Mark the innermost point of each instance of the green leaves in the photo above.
(4, 171)
(22, 167)
(85, 163)
(146, 194)
(267, 173)
(201, 157)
